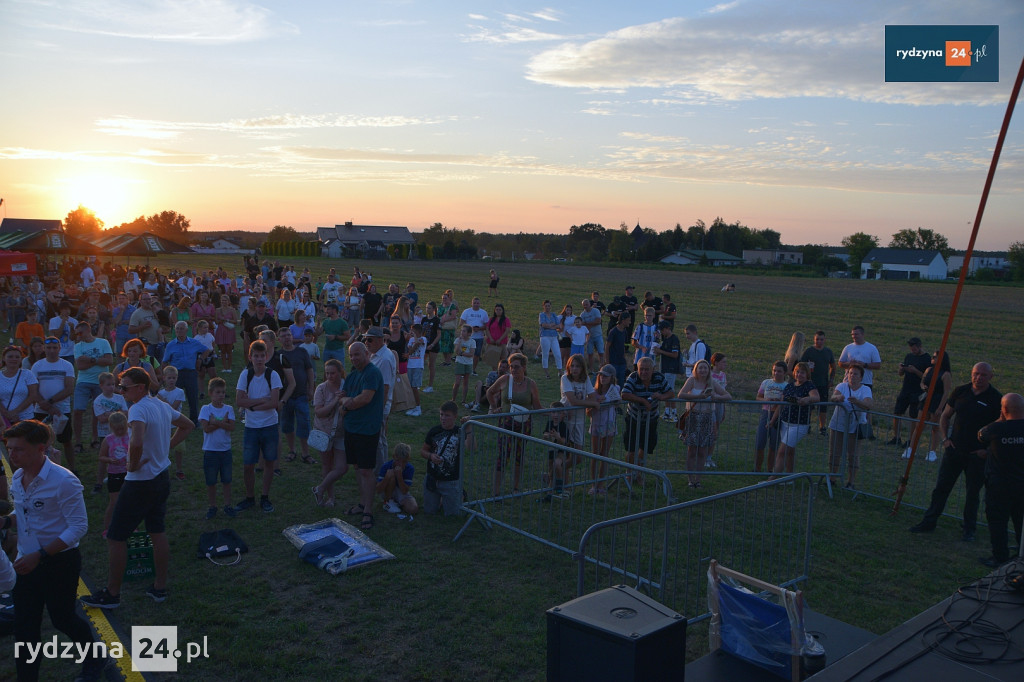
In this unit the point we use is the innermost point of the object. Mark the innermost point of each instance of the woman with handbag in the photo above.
(19, 388)
(700, 390)
(849, 420)
(327, 420)
(515, 394)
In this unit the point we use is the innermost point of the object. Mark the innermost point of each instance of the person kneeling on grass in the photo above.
(442, 448)
(217, 421)
(394, 481)
(557, 432)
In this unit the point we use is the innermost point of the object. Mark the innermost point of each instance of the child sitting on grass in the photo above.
(114, 458)
(394, 483)
(104, 406)
(217, 421)
(173, 396)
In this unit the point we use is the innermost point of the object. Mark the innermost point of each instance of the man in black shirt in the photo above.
(295, 407)
(822, 362)
(631, 306)
(1004, 484)
(912, 369)
(668, 311)
(975, 405)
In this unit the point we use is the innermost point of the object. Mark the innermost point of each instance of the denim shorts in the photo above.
(85, 394)
(295, 417)
(217, 462)
(258, 440)
(415, 377)
(595, 342)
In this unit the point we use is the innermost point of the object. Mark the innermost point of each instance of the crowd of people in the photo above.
(146, 356)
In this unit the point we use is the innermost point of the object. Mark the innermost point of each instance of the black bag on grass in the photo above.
(222, 543)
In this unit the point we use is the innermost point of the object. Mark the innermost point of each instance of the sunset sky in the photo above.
(502, 116)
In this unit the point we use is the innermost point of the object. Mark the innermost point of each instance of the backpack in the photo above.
(221, 543)
(707, 350)
(251, 371)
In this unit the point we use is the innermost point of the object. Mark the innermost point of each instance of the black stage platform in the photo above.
(977, 634)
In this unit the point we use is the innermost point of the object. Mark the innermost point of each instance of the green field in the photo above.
(475, 609)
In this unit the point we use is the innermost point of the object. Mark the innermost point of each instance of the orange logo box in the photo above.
(958, 53)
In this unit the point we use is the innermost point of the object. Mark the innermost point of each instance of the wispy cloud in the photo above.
(514, 28)
(185, 21)
(264, 126)
(756, 54)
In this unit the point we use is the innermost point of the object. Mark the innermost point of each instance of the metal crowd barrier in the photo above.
(733, 454)
(527, 504)
(762, 530)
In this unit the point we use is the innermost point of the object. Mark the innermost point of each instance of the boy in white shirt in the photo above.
(105, 404)
(415, 348)
(217, 421)
(208, 366)
(174, 396)
(259, 397)
(578, 335)
(311, 348)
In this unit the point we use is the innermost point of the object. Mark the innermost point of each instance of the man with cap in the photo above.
(384, 359)
(912, 369)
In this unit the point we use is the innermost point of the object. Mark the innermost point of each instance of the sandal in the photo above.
(366, 525)
(308, 459)
(290, 457)
(355, 510)
(79, 449)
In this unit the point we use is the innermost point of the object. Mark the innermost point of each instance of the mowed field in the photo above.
(475, 609)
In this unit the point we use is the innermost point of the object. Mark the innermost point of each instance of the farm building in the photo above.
(993, 260)
(903, 264)
(361, 241)
(695, 256)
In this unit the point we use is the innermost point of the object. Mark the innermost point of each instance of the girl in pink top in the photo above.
(114, 453)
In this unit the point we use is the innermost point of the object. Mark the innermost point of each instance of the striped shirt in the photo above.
(635, 386)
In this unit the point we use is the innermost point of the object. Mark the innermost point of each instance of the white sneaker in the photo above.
(391, 507)
(710, 464)
(414, 412)
(475, 407)
(427, 389)
(906, 454)
(932, 456)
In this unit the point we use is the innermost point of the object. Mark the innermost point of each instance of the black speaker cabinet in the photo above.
(615, 634)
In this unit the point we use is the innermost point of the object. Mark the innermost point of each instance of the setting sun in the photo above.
(104, 195)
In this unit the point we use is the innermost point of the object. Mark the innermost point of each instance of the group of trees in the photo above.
(84, 224)
(859, 244)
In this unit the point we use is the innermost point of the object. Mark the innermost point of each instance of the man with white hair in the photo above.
(186, 355)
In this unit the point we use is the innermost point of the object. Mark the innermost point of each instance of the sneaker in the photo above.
(210, 513)
(906, 454)
(97, 488)
(563, 495)
(414, 412)
(823, 431)
(408, 518)
(475, 374)
(101, 600)
(932, 456)
(159, 596)
(427, 389)
(475, 407)
(265, 505)
(391, 507)
(923, 527)
(317, 496)
(180, 475)
(247, 503)
(230, 512)
(277, 472)
(468, 406)
(968, 536)
(710, 464)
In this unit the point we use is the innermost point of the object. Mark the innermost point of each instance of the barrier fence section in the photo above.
(879, 464)
(509, 479)
(762, 530)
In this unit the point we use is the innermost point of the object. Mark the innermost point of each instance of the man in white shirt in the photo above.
(56, 377)
(861, 354)
(331, 293)
(88, 276)
(476, 317)
(698, 349)
(147, 485)
(51, 520)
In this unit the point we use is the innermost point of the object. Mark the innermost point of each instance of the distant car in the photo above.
(559, 260)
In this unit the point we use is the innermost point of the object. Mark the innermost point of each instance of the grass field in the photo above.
(475, 609)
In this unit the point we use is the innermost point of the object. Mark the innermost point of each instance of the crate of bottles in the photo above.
(140, 557)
